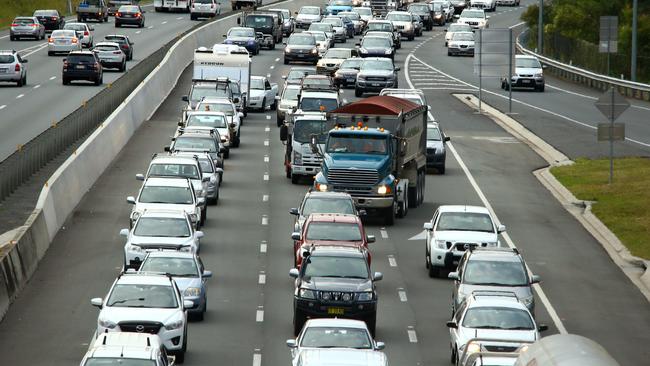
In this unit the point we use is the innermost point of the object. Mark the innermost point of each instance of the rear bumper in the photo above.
(128, 20)
(81, 75)
(12, 76)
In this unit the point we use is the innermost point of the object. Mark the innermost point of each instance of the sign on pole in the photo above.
(608, 34)
(493, 55)
(611, 104)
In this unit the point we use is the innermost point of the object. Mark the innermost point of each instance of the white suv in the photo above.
(452, 230)
(122, 348)
(204, 9)
(146, 303)
(474, 17)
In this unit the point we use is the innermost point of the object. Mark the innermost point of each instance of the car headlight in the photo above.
(134, 248)
(528, 301)
(186, 249)
(363, 50)
(365, 296)
(540, 75)
(192, 291)
(106, 323)
(307, 294)
(384, 189)
(473, 348)
(361, 78)
(251, 41)
(408, 26)
(441, 244)
(297, 157)
(321, 187)
(174, 325)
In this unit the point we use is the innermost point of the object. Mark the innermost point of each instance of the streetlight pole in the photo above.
(540, 28)
(634, 39)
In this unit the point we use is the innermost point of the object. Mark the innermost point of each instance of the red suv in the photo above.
(330, 230)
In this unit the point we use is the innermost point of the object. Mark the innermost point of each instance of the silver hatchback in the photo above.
(12, 68)
(26, 27)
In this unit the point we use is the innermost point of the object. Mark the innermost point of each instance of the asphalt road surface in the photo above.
(249, 316)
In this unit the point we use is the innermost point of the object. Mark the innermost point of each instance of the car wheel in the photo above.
(433, 271)
(263, 107)
(192, 17)
(389, 216)
(65, 81)
(295, 178)
(357, 93)
(453, 356)
(21, 81)
(286, 62)
(117, 25)
(123, 68)
(541, 89)
(226, 155)
(441, 170)
(272, 46)
(449, 53)
(50, 53)
(274, 106)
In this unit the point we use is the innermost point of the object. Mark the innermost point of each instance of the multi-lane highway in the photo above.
(249, 315)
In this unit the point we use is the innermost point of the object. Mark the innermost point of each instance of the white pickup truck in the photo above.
(262, 93)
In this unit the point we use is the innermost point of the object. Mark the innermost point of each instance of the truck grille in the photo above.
(140, 327)
(500, 348)
(375, 78)
(353, 177)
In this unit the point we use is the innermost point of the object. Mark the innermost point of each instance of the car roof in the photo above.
(167, 182)
(460, 208)
(139, 278)
(107, 43)
(336, 322)
(334, 217)
(173, 159)
(163, 213)
(133, 352)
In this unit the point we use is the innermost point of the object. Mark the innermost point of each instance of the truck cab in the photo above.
(299, 160)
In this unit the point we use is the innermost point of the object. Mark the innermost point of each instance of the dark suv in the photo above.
(51, 19)
(334, 282)
(82, 65)
(126, 45)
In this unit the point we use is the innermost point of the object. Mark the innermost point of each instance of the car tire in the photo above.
(412, 37)
(286, 62)
(449, 53)
(99, 80)
(117, 25)
(226, 155)
(192, 17)
(20, 82)
(433, 271)
(453, 356)
(274, 106)
(65, 81)
(50, 53)
(123, 67)
(357, 93)
(541, 89)
(441, 170)
(272, 46)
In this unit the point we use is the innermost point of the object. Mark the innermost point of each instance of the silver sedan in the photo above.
(63, 41)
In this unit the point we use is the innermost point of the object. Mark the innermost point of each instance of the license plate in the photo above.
(335, 311)
(525, 81)
(350, 80)
(299, 55)
(80, 67)
(375, 84)
(2, 71)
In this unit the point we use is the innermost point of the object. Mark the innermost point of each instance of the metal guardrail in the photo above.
(18, 167)
(578, 75)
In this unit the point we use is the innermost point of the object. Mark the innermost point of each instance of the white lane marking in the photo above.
(267, 129)
(266, 142)
(265, 198)
(406, 67)
(35, 50)
(402, 295)
(516, 25)
(277, 59)
(165, 22)
(391, 261)
(3, 106)
(52, 77)
(384, 233)
(268, 116)
(265, 220)
(20, 96)
(138, 32)
(441, 88)
(589, 97)
(266, 176)
(257, 359)
(261, 279)
(37, 86)
(179, 18)
(263, 247)
(272, 67)
(266, 158)
(150, 27)
(3, 37)
(259, 315)
(413, 337)
(542, 296)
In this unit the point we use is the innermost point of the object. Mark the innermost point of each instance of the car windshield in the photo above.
(301, 40)
(332, 266)
(362, 11)
(341, 2)
(106, 47)
(398, 17)
(110, 361)
(195, 143)
(332, 337)
(206, 167)
(463, 37)
(335, 231)
(337, 53)
(357, 144)
(179, 267)
(206, 120)
(257, 84)
(257, 21)
(316, 81)
(207, 91)
(174, 170)
(142, 296)
(497, 318)
(337, 22)
(63, 34)
(309, 104)
(320, 27)
(377, 65)
(375, 42)
(295, 75)
(164, 194)
(420, 8)
(472, 14)
(241, 32)
(162, 226)
(459, 28)
(328, 205)
(291, 94)
(352, 63)
(495, 273)
(319, 36)
(383, 27)
(304, 129)
(225, 108)
(433, 133)
(310, 10)
(528, 63)
(465, 221)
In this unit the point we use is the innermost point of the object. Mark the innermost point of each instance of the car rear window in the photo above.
(45, 13)
(23, 21)
(129, 9)
(115, 39)
(80, 58)
(6, 59)
(106, 47)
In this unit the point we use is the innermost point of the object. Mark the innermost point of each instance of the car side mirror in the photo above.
(370, 239)
(447, 138)
(542, 327)
(427, 226)
(377, 276)
(291, 343)
(139, 176)
(187, 304)
(235, 100)
(380, 346)
(294, 211)
(200, 201)
(207, 274)
(453, 276)
(124, 232)
(167, 149)
(535, 279)
(224, 36)
(398, 68)
(185, 98)
(221, 150)
(452, 324)
(199, 234)
(501, 229)
(294, 273)
(131, 200)
(296, 235)
(284, 133)
(219, 171)
(97, 301)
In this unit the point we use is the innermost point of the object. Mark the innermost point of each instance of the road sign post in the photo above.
(608, 37)
(612, 105)
(493, 58)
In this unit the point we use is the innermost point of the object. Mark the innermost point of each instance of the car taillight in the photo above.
(34, 25)
(17, 68)
(74, 40)
(118, 14)
(137, 15)
(50, 40)
(14, 24)
(86, 33)
(54, 18)
(117, 52)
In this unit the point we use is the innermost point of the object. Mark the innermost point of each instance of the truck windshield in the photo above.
(357, 144)
(303, 129)
(259, 21)
(318, 104)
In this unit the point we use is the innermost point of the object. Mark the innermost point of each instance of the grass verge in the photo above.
(623, 206)
(9, 9)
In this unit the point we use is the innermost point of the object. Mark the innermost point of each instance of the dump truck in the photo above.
(376, 152)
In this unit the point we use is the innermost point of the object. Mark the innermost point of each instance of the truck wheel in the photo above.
(389, 216)
(434, 271)
(272, 45)
(295, 178)
(413, 195)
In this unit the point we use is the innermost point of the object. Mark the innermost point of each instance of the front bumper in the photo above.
(461, 51)
(255, 103)
(345, 80)
(305, 57)
(373, 202)
(436, 160)
(527, 82)
(445, 258)
(351, 310)
(305, 169)
(375, 86)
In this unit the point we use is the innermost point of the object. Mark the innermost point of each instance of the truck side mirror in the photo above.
(284, 132)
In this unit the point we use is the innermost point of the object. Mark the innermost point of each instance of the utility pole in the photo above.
(634, 39)
(540, 29)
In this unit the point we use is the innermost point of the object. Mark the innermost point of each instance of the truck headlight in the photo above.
(321, 187)
(307, 294)
(192, 291)
(297, 157)
(106, 323)
(441, 244)
(384, 189)
(174, 325)
(287, 49)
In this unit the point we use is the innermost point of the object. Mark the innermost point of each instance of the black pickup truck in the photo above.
(269, 24)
